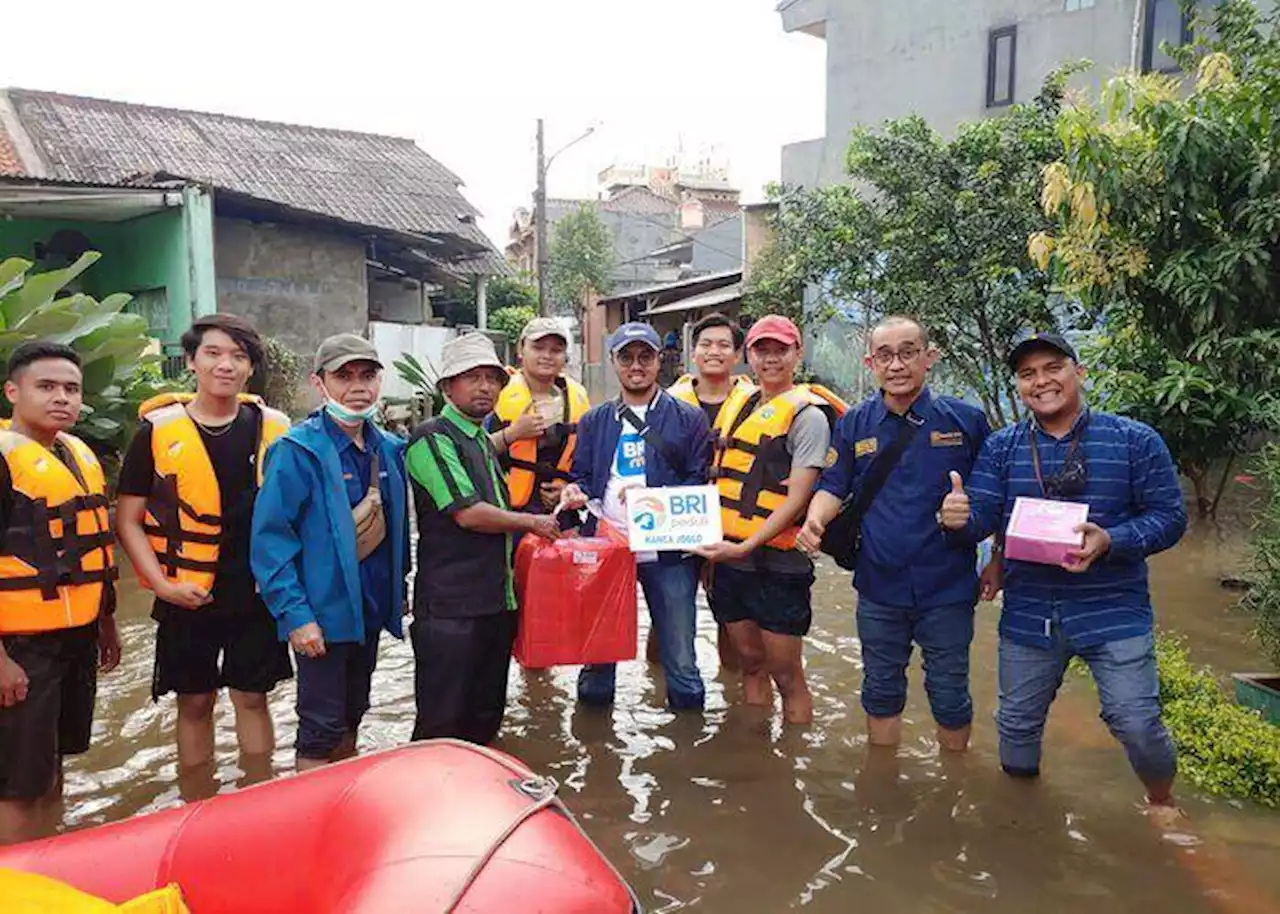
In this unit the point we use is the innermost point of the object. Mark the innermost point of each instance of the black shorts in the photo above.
(778, 603)
(56, 717)
(198, 653)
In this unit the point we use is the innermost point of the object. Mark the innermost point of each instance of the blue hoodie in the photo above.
(304, 500)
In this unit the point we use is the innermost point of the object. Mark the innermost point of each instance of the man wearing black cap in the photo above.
(1096, 605)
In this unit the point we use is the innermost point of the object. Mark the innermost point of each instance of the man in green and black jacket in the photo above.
(464, 596)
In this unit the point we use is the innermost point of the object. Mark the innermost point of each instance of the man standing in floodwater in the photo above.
(915, 587)
(1097, 605)
(57, 612)
(187, 490)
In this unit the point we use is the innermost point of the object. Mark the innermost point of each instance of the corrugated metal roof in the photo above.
(10, 164)
(373, 180)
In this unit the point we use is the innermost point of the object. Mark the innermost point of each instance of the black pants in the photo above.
(460, 678)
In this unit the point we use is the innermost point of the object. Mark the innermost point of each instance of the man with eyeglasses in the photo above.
(1097, 605)
(645, 438)
(915, 585)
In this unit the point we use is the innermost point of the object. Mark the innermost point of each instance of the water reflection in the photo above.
(729, 811)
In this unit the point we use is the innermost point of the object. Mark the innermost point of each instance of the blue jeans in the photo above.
(943, 633)
(1128, 688)
(670, 592)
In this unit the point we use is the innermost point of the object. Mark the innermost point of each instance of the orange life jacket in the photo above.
(752, 464)
(686, 388)
(525, 471)
(184, 510)
(56, 556)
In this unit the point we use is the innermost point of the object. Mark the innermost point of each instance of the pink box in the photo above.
(1042, 531)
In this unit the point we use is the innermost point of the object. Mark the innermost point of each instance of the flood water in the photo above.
(727, 811)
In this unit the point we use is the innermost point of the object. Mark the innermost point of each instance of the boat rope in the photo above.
(544, 793)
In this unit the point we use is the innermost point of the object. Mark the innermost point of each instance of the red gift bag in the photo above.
(577, 600)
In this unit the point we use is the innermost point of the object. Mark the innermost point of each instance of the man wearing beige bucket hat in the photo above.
(464, 594)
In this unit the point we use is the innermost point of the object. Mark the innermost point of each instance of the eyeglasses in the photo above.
(883, 358)
(645, 358)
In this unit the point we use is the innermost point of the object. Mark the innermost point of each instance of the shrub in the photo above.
(283, 372)
(1263, 599)
(511, 321)
(1223, 748)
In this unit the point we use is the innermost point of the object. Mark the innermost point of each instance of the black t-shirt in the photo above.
(6, 497)
(233, 451)
(712, 410)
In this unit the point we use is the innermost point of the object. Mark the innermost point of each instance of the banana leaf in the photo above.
(39, 290)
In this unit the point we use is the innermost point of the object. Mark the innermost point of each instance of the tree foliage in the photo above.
(110, 342)
(1166, 206)
(511, 321)
(1263, 598)
(579, 259)
(512, 292)
(931, 227)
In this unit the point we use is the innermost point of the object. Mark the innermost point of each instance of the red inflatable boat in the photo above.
(438, 826)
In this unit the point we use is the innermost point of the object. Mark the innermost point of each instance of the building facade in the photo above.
(952, 62)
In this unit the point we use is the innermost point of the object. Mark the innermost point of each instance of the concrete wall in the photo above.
(394, 299)
(718, 248)
(299, 285)
(888, 60)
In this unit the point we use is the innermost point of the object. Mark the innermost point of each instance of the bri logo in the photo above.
(650, 514)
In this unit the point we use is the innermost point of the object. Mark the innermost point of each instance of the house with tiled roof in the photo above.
(306, 231)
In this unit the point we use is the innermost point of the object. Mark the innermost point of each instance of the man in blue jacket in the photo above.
(329, 546)
(645, 438)
(1096, 605)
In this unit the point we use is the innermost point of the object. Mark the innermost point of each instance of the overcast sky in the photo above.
(465, 79)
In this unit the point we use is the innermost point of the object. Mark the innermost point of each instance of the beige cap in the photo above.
(539, 327)
(343, 348)
(463, 353)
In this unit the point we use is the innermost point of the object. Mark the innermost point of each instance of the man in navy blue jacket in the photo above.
(1096, 605)
(645, 438)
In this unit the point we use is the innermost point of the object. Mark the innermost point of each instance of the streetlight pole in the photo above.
(540, 227)
(540, 214)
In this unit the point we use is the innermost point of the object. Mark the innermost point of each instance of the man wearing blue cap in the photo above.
(645, 438)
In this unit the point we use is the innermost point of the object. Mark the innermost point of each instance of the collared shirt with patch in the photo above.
(905, 558)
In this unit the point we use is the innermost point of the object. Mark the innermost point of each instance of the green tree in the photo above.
(931, 227)
(579, 259)
(1166, 203)
(117, 377)
(512, 320)
(512, 292)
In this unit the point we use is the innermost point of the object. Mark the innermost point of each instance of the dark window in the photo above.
(1002, 60)
(1167, 23)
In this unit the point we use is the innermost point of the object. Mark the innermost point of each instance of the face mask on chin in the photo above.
(349, 417)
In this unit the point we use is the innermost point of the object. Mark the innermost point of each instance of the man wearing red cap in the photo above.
(774, 442)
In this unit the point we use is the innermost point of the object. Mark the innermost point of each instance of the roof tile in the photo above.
(381, 181)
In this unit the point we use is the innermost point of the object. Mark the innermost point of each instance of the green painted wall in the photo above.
(164, 259)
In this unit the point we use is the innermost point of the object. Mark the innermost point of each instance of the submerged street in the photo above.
(729, 812)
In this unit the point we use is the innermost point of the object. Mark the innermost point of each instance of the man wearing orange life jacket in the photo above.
(535, 420)
(774, 443)
(57, 586)
(186, 501)
(717, 348)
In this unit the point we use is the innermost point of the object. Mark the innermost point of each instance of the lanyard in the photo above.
(1071, 452)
